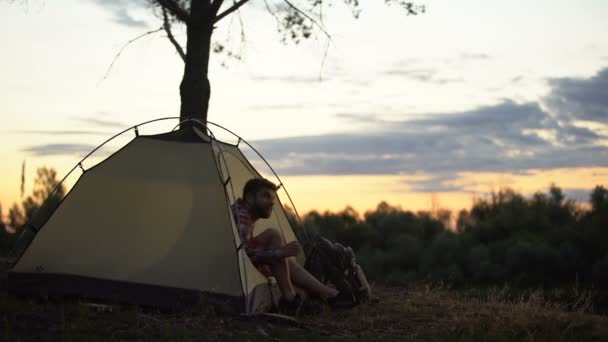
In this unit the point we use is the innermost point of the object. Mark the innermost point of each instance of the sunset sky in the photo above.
(435, 109)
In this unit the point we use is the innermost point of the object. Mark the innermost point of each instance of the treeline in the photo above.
(544, 240)
(46, 185)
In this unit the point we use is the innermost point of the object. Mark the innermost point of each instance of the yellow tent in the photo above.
(152, 224)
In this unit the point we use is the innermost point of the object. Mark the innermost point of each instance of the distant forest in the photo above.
(507, 238)
(542, 240)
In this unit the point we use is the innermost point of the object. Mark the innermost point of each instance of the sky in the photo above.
(426, 111)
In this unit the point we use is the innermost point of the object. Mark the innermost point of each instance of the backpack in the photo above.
(334, 263)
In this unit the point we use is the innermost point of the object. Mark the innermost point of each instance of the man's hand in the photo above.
(291, 249)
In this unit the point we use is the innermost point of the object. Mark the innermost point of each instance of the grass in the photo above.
(395, 313)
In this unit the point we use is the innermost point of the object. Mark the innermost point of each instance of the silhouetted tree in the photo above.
(599, 200)
(46, 191)
(200, 18)
(600, 271)
(6, 238)
(16, 217)
(36, 208)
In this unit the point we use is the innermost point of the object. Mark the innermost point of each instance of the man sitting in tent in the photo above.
(267, 250)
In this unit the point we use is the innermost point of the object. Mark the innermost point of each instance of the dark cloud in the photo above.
(60, 149)
(580, 98)
(120, 9)
(499, 138)
(579, 134)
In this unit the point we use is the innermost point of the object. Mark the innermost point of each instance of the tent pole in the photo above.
(265, 161)
(248, 308)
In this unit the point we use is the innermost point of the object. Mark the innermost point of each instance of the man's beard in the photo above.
(261, 212)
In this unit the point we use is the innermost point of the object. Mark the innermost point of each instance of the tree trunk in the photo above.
(195, 89)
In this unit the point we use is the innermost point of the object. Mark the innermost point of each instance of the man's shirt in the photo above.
(245, 224)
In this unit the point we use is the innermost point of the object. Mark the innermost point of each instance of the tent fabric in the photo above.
(155, 216)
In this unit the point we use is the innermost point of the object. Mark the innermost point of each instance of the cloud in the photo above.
(102, 123)
(361, 118)
(579, 134)
(121, 11)
(506, 137)
(307, 105)
(123, 18)
(517, 79)
(580, 98)
(436, 183)
(289, 79)
(60, 132)
(60, 149)
(422, 75)
(475, 56)
(273, 107)
(579, 195)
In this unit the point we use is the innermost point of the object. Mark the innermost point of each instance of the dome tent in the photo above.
(151, 224)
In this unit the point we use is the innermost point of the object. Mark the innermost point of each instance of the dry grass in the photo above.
(428, 313)
(397, 314)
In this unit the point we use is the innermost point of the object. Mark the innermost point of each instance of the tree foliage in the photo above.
(295, 23)
(506, 238)
(35, 209)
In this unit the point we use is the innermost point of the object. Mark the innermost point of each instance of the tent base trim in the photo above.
(68, 285)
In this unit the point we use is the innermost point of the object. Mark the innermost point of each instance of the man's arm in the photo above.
(272, 255)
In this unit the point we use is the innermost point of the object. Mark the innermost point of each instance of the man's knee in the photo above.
(277, 237)
(273, 236)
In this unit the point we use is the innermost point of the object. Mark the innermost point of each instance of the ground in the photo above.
(395, 313)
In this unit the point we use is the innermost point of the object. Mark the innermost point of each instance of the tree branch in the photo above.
(308, 17)
(167, 27)
(323, 61)
(215, 7)
(272, 13)
(175, 10)
(122, 49)
(236, 6)
(242, 25)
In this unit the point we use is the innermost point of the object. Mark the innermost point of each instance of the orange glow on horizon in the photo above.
(365, 192)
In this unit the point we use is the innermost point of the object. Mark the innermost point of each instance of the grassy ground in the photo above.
(421, 313)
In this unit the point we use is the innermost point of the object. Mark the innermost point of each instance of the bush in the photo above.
(600, 272)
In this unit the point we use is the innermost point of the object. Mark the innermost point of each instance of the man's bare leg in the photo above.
(302, 278)
(279, 268)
